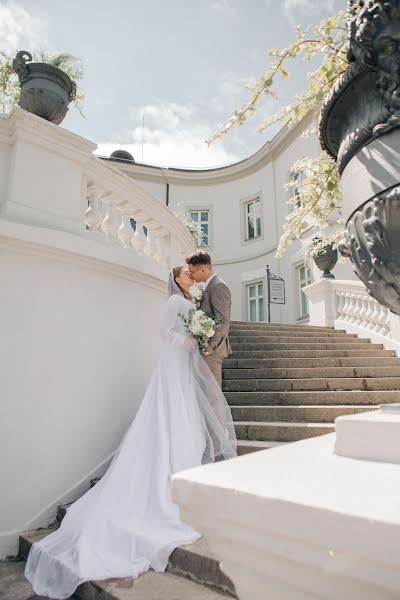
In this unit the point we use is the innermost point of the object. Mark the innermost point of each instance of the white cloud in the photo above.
(18, 28)
(295, 8)
(174, 135)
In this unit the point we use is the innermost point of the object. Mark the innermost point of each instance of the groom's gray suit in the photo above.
(216, 303)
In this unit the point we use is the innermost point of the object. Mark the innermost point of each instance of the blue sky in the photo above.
(183, 63)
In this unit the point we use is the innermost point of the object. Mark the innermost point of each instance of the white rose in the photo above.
(195, 292)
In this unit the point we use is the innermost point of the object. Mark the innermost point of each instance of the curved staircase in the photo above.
(289, 382)
(284, 383)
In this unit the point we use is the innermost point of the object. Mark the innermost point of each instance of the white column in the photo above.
(322, 302)
(46, 173)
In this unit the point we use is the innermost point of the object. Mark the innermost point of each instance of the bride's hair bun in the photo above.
(176, 271)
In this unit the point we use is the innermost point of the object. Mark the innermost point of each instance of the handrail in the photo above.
(114, 198)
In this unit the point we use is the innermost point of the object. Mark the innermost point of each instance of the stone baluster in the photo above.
(346, 306)
(358, 309)
(93, 217)
(125, 231)
(340, 302)
(370, 312)
(382, 319)
(387, 325)
(108, 226)
(163, 242)
(375, 316)
(150, 249)
(352, 308)
(139, 239)
(364, 310)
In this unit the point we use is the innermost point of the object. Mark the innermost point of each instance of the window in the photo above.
(202, 217)
(304, 278)
(255, 301)
(298, 179)
(253, 215)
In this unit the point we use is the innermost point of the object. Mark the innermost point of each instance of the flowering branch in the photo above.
(327, 40)
(317, 199)
(318, 196)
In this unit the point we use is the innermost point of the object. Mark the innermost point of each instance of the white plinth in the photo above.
(299, 522)
(371, 435)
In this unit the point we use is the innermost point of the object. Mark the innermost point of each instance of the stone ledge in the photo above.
(372, 436)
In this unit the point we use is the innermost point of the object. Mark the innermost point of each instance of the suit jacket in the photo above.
(216, 303)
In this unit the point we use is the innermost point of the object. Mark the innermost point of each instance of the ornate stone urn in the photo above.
(326, 259)
(360, 128)
(46, 90)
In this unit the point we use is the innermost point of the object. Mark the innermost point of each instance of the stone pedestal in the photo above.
(299, 521)
(45, 184)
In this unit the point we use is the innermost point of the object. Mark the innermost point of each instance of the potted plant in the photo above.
(46, 87)
(325, 255)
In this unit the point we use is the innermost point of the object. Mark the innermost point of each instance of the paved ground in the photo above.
(150, 586)
(13, 584)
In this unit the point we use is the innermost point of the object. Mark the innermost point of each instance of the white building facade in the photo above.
(242, 208)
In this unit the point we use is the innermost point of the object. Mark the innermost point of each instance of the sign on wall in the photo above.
(275, 291)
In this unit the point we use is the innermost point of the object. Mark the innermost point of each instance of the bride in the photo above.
(127, 523)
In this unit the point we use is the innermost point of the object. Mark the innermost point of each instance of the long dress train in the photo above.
(127, 523)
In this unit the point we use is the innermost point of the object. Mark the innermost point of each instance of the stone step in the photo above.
(282, 347)
(263, 325)
(243, 333)
(247, 446)
(195, 562)
(308, 414)
(317, 372)
(289, 339)
(149, 586)
(370, 351)
(317, 383)
(280, 363)
(315, 398)
(280, 431)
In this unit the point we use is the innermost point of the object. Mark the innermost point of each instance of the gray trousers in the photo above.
(215, 365)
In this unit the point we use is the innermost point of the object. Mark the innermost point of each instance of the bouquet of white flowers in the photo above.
(196, 294)
(201, 326)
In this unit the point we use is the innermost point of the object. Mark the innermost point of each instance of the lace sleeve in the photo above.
(173, 331)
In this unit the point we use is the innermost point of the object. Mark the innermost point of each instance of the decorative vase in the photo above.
(359, 127)
(326, 259)
(46, 90)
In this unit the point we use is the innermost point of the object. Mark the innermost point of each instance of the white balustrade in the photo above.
(347, 305)
(114, 199)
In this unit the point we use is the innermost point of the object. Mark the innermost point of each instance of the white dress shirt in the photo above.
(208, 280)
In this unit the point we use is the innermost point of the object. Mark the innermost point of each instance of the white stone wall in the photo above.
(78, 344)
(222, 192)
(79, 317)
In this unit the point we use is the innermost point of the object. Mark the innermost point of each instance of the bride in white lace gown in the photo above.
(127, 523)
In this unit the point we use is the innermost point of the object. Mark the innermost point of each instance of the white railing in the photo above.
(358, 310)
(347, 305)
(76, 189)
(114, 199)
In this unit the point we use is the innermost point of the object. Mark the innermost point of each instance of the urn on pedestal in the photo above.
(326, 259)
(360, 128)
(46, 90)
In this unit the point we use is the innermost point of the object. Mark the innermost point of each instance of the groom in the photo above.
(216, 303)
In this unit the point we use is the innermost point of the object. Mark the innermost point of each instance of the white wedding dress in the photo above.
(127, 523)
